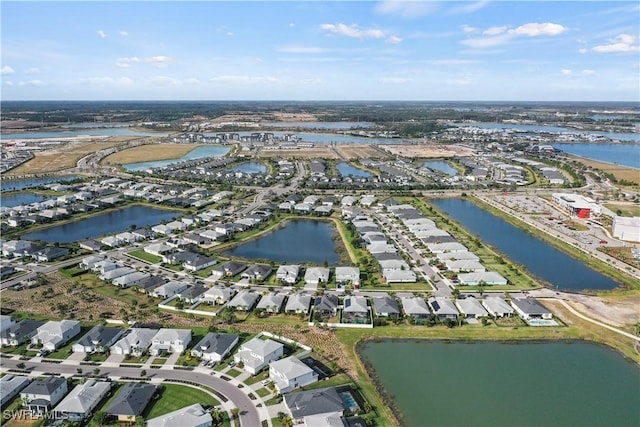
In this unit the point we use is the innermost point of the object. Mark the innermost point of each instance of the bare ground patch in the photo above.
(364, 151)
(149, 153)
(301, 153)
(427, 150)
(620, 172)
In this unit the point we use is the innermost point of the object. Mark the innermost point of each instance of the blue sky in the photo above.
(321, 50)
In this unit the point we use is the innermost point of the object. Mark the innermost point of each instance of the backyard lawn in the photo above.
(176, 396)
(144, 256)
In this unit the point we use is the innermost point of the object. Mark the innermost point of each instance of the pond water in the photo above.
(538, 256)
(346, 169)
(621, 154)
(296, 241)
(198, 153)
(441, 166)
(506, 384)
(18, 199)
(250, 168)
(113, 131)
(103, 224)
(21, 184)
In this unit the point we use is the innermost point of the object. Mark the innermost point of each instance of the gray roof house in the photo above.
(257, 272)
(198, 262)
(298, 303)
(271, 302)
(530, 308)
(288, 273)
(42, 395)
(54, 334)
(257, 353)
(20, 332)
(348, 275)
(169, 289)
(218, 295)
(11, 385)
(214, 346)
(190, 416)
(322, 401)
(244, 300)
(471, 307)
(170, 341)
(443, 308)
(135, 342)
(131, 401)
(82, 400)
(386, 306)
(497, 306)
(326, 305)
(192, 294)
(98, 339)
(355, 309)
(315, 275)
(290, 373)
(415, 307)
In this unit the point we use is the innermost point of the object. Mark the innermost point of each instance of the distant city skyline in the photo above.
(321, 50)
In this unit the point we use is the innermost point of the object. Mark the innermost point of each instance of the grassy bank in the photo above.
(149, 153)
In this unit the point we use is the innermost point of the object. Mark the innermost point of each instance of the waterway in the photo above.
(441, 166)
(346, 169)
(250, 168)
(18, 199)
(198, 153)
(506, 384)
(539, 257)
(296, 241)
(22, 184)
(622, 136)
(113, 131)
(621, 154)
(103, 224)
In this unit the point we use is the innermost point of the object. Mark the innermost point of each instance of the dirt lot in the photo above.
(427, 150)
(324, 152)
(620, 172)
(364, 151)
(148, 153)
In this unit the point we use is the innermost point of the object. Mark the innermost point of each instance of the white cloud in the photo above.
(583, 50)
(165, 81)
(467, 8)
(494, 31)
(566, 72)
(394, 80)
(301, 49)
(468, 29)
(6, 70)
(394, 39)
(353, 31)
(292, 24)
(484, 42)
(534, 29)
(623, 43)
(101, 33)
(588, 72)
(159, 61)
(406, 9)
(461, 80)
(123, 33)
(8, 83)
(32, 83)
(101, 81)
(33, 70)
(243, 80)
(191, 81)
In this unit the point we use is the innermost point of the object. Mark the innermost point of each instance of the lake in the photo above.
(198, 153)
(346, 169)
(621, 154)
(441, 166)
(296, 241)
(538, 256)
(18, 199)
(249, 168)
(21, 184)
(113, 131)
(506, 384)
(103, 224)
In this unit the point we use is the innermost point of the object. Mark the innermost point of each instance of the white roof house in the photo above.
(298, 303)
(415, 307)
(497, 306)
(218, 295)
(190, 416)
(244, 300)
(443, 308)
(258, 353)
(471, 307)
(271, 302)
(55, 334)
(464, 255)
(169, 289)
(464, 265)
(437, 248)
(397, 276)
(170, 341)
(288, 273)
(290, 373)
(80, 402)
(315, 275)
(486, 277)
(135, 342)
(348, 274)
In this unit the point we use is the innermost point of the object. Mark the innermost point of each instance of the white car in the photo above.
(266, 382)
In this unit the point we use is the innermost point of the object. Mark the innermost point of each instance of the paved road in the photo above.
(248, 413)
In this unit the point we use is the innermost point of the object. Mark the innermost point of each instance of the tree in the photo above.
(234, 413)
(100, 417)
(143, 373)
(96, 371)
(79, 371)
(20, 365)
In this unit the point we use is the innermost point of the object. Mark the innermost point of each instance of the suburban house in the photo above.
(530, 308)
(257, 353)
(82, 400)
(460, 256)
(98, 339)
(198, 262)
(471, 307)
(244, 300)
(170, 341)
(346, 275)
(399, 275)
(355, 310)
(322, 401)
(135, 342)
(192, 294)
(131, 401)
(190, 416)
(214, 346)
(43, 394)
(478, 278)
(290, 373)
(218, 295)
(257, 272)
(54, 334)
(227, 269)
(326, 305)
(467, 265)
(116, 272)
(271, 302)
(20, 332)
(497, 306)
(131, 279)
(316, 275)
(415, 307)
(157, 249)
(386, 306)
(50, 253)
(11, 385)
(169, 289)
(298, 304)
(443, 308)
(288, 273)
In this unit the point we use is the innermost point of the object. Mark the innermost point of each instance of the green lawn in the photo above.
(257, 378)
(262, 392)
(233, 372)
(144, 256)
(64, 351)
(96, 357)
(176, 396)
(187, 360)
